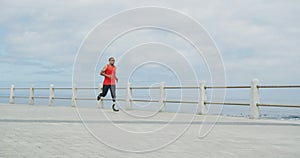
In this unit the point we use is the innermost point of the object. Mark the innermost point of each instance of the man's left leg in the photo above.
(113, 95)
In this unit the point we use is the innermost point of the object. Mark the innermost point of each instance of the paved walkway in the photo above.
(42, 131)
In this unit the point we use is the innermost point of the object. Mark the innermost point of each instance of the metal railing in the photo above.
(202, 102)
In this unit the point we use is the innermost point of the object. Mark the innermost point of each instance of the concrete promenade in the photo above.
(42, 131)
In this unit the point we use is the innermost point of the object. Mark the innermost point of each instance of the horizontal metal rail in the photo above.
(181, 101)
(4, 88)
(224, 87)
(144, 100)
(141, 87)
(22, 88)
(280, 105)
(62, 88)
(86, 88)
(121, 88)
(85, 99)
(178, 87)
(41, 97)
(227, 103)
(284, 86)
(67, 98)
(118, 99)
(21, 96)
(42, 88)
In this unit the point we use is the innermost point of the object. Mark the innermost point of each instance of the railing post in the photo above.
(12, 94)
(202, 99)
(74, 95)
(31, 95)
(100, 103)
(255, 99)
(162, 97)
(51, 95)
(129, 97)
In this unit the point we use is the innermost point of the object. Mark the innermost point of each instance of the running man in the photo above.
(109, 83)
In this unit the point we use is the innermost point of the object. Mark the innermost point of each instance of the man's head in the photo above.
(111, 60)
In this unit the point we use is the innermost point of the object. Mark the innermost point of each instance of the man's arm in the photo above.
(103, 72)
(117, 77)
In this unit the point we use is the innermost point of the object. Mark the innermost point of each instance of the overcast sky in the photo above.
(256, 38)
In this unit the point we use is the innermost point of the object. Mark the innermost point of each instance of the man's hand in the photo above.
(109, 76)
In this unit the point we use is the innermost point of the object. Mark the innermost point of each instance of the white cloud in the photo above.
(254, 36)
